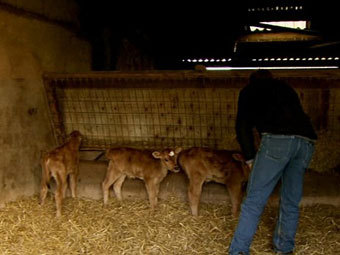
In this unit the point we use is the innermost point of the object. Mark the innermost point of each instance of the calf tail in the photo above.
(43, 163)
(45, 177)
(246, 170)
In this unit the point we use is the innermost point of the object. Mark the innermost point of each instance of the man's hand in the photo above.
(250, 163)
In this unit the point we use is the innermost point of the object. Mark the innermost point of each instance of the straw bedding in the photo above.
(327, 154)
(129, 227)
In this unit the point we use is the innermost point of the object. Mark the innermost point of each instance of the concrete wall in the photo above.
(63, 11)
(29, 46)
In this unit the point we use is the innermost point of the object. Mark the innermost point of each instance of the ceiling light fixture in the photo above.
(230, 68)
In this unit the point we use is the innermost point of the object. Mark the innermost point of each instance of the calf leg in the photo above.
(194, 193)
(64, 188)
(43, 193)
(235, 194)
(73, 184)
(111, 176)
(152, 188)
(117, 187)
(45, 179)
(61, 183)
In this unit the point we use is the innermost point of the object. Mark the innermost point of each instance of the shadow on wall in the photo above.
(28, 47)
(25, 127)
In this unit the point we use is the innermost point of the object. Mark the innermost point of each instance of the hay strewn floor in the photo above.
(129, 228)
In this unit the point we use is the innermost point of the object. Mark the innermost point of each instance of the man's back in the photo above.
(270, 106)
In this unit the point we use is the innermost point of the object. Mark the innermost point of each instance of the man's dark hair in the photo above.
(260, 75)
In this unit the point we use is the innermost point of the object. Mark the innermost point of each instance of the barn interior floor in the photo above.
(318, 188)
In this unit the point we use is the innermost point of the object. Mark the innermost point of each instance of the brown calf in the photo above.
(150, 166)
(61, 163)
(222, 166)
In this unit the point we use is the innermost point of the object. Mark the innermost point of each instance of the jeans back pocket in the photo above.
(277, 148)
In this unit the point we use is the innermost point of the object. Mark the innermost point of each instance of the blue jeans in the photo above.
(280, 157)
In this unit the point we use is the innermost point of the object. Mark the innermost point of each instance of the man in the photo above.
(287, 144)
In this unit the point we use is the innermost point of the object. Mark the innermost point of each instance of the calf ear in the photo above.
(156, 154)
(178, 150)
(238, 157)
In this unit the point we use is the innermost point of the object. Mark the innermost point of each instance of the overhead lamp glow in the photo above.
(290, 24)
(230, 68)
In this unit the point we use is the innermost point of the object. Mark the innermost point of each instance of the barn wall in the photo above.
(62, 11)
(181, 108)
(30, 45)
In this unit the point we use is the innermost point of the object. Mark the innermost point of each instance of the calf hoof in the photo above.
(194, 212)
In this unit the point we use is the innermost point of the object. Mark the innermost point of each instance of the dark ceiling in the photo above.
(169, 31)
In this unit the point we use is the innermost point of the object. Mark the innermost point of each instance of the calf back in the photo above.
(136, 163)
(212, 165)
(67, 154)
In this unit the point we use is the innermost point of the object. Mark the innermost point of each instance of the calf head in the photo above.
(75, 136)
(245, 168)
(168, 158)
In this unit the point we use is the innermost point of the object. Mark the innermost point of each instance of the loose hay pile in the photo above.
(326, 157)
(130, 228)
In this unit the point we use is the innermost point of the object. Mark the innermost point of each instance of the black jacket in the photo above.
(270, 106)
